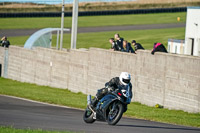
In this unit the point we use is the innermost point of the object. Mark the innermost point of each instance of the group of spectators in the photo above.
(4, 42)
(119, 44)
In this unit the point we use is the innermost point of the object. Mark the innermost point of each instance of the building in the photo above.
(192, 33)
(176, 46)
(191, 45)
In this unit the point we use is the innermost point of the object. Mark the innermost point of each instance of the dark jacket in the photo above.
(5, 43)
(115, 83)
(120, 43)
(138, 46)
(158, 47)
(115, 46)
(128, 48)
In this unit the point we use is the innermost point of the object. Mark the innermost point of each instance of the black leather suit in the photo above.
(114, 83)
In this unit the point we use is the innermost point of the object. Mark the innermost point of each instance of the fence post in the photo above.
(5, 74)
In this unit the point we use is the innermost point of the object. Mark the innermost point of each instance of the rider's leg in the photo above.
(94, 102)
(100, 94)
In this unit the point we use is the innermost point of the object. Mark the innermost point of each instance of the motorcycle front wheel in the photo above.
(115, 115)
(88, 116)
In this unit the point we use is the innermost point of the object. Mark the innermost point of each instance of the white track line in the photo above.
(55, 105)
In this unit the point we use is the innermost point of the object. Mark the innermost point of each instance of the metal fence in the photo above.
(52, 8)
(94, 13)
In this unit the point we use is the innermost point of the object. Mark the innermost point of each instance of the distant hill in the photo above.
(97, 6)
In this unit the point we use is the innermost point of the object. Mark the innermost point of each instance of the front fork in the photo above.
(95, 115)
(89, 106)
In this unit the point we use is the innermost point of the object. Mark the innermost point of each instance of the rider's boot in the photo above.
(94, 102)
(99, 95)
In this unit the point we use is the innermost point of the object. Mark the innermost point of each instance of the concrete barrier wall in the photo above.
(1, 55)
(182, 83)
(166, 79)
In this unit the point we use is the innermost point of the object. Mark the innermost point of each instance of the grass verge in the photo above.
(78, 100)
(13, 130)
(92, 21)
(100, 39)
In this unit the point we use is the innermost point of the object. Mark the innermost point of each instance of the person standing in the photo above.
(137, 45)
(119, 41)
(5, 42)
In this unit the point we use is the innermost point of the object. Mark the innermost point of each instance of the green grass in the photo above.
(18, 40)
(13, 130)
(78, 100)
(43, 93)
(100, 39)
(92, 21)
(179, 117)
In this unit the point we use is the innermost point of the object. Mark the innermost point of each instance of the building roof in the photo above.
(41, 38)
(176, 40)
(193, 7)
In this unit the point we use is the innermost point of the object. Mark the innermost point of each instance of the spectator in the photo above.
(114, 46)
(119, 41)
(158, 47)
(127, 47)
(5, 42)
(137, 45)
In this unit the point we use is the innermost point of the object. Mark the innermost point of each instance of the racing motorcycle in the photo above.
(110, 108)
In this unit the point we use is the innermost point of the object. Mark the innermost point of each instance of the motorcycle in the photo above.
(110, 108)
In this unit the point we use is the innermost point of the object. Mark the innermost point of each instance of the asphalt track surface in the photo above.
(28, 32)
(20, 113)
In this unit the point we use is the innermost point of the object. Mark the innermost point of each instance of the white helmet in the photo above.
(125, 78)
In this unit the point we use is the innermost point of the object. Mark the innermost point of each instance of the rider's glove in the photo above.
(109, 88)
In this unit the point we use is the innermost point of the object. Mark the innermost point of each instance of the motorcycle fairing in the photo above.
(103, 105)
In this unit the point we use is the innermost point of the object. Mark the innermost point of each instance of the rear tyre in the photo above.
(88, 116)
(115, 115)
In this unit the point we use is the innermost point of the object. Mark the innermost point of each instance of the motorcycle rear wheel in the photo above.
(88, 116)
(115, 116)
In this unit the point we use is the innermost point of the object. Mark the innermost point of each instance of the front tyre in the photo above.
(88, 116)
(115, 115)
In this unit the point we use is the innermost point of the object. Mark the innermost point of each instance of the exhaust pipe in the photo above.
(89, 97)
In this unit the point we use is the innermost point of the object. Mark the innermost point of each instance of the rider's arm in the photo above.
(131, 94)
(111, 83)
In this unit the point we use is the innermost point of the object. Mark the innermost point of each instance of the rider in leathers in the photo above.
(115, 83)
